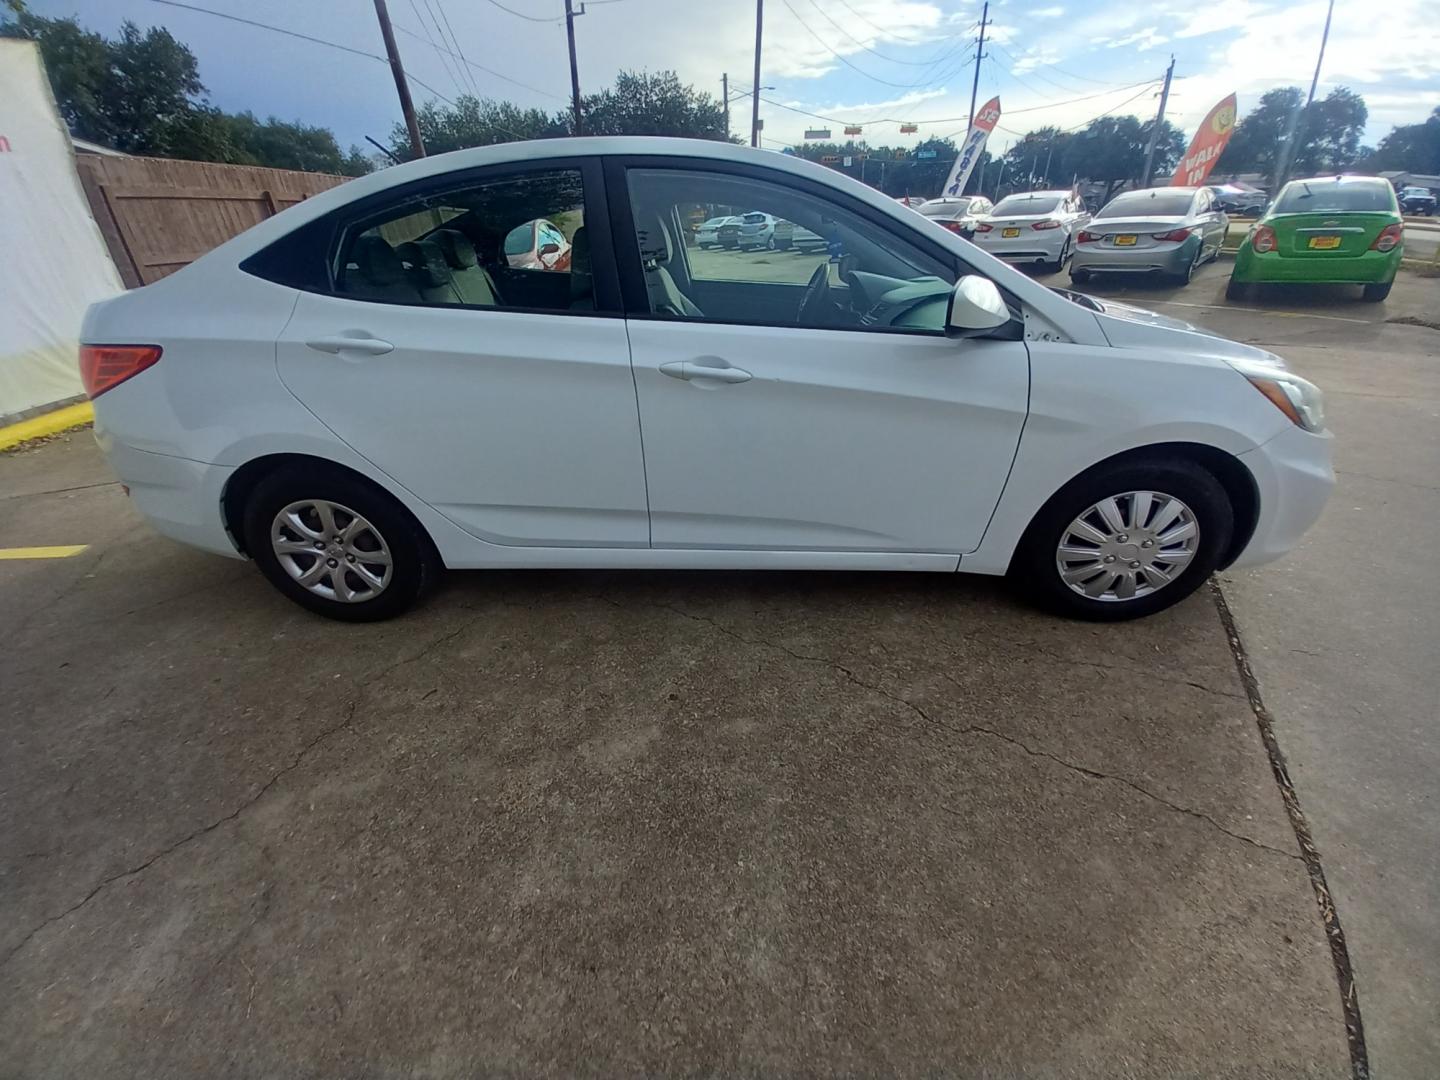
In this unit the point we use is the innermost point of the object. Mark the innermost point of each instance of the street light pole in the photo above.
(574, 68)
(1287, 153)
(979, 55)
(725, 98)
(1149, 172)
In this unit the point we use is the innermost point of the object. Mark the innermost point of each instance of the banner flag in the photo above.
(1207, 146)
(985, 121)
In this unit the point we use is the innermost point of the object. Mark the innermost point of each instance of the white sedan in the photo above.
(1034, 227)
(361, 391)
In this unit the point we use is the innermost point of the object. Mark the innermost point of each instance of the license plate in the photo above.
(1324, 243)
(1009, 233)
(1126, 240)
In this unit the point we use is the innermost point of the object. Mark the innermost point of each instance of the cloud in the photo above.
(1145, 39)
(1046, 13)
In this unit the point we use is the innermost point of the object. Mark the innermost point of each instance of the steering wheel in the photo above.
(816, 299)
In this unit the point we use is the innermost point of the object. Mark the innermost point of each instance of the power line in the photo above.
(531, 18)
(470, 63)
(440, 5)
(839, 56)
(450, 72)
(867, 48)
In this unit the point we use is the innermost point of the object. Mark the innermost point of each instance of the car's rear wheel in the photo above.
(1187, 275)
(1237, 290)
(1126, 539)
(335, 544)
(1377, 293)
(1080, 277)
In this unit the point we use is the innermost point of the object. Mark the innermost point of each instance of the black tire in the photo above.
(1188, 274)
(1035, 565)
(1376, 293)
(415, 565)
(1080, 277)
(1237, 290)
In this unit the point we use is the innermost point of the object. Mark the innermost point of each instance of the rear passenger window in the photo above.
(516, 242)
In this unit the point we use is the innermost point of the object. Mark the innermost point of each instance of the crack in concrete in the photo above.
(59, 491)
(204, 830)
(972, 729)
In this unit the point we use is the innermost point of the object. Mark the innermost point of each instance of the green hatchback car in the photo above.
(1336, 230)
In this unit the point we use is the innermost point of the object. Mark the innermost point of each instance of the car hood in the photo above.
(1129, 327)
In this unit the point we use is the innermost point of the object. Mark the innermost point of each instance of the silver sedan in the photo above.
(1168, 231)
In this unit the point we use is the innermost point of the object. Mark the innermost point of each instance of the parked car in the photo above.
(1036, 227)
(1240, 202)
(537, 245)
(790, 236)
(294, 397)
(757, 230)
(721, 232)
(1169, 231)
(1326, 230)
(959, 214)
(1417, 200)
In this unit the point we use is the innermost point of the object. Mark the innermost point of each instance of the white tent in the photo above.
(53, 262)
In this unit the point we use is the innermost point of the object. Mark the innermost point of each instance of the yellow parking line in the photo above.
(64, 551)
(51, 423)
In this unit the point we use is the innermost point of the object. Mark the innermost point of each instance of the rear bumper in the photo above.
(1107, 259)
(1294, 478)
(1371, 268)
(1032, 245)
(180, 498)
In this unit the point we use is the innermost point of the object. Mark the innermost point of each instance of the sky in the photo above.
(872, 62)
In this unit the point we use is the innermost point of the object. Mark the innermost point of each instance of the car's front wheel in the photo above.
(337, 545)
(1126, 539)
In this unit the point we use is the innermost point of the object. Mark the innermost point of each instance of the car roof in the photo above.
(1158, 190)
(1039, 195)
(1361, 180)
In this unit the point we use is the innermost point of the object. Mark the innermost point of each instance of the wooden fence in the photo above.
(158, 215)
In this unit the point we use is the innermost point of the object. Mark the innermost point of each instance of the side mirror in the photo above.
(549, 249)
(976, 307)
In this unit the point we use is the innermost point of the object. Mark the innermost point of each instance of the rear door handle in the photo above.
(370, 346)
(688, 369)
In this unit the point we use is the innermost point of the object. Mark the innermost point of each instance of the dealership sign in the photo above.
(985, 121)
(1207, 146)
(817, 133)
(852, 130)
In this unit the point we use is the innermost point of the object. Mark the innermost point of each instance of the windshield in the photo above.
(1026, 204)
(945, 209)
(1148, 204)
(1324, 196)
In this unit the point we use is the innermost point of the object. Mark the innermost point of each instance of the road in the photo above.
(556, 823)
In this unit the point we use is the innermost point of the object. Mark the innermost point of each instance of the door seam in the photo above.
(640, 427)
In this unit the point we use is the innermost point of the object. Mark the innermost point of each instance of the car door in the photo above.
(810, 427)
(512, 413)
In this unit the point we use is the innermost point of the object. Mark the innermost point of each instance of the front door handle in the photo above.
(369, 346)
(688, 369)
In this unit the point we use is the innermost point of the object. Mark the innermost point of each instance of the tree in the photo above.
(1112, 149)
(653, 104)
(1255, 143)
(141, 93)
(473, 121)
(1410, 148)
(1041, 159)
(1327, 133)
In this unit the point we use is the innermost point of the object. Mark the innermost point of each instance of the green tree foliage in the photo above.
(638, 104)
(1410, 148)
(141, 93)
(1328, 133)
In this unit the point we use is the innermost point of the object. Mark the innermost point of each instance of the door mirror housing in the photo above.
(976, 308)
(548, 250)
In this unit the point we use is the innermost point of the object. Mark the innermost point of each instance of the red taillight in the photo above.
(106, 366)
(1388, 238)
(1177, 235)
(953, 226)
(1046, 225)
(1263, 239)
(982, 227)
(1089, 238)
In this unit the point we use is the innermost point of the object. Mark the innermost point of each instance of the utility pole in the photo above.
(979, 55)
(755, 104)
(407, 107)
(725, 97)
(1287, 153)
(1149, 172)
(570, 14)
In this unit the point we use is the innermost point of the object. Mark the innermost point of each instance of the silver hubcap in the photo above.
(1128, 546)
(331, 550)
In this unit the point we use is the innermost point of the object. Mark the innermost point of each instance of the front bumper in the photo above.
(1294, 478)
(1371, 268)
(180, 498)
(1104, 258)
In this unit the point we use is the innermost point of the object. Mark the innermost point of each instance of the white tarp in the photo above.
(53, 262)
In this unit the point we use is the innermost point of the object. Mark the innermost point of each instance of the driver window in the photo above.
(731, 248)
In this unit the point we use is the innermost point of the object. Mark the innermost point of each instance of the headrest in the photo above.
(427, 263)
(377, 261)
(654, 240)
(459, 252)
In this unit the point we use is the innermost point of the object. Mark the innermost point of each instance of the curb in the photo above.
(50, 423)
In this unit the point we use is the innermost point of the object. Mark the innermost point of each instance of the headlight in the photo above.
(1299, 399)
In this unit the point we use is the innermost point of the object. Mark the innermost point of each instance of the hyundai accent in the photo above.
(364, 390)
